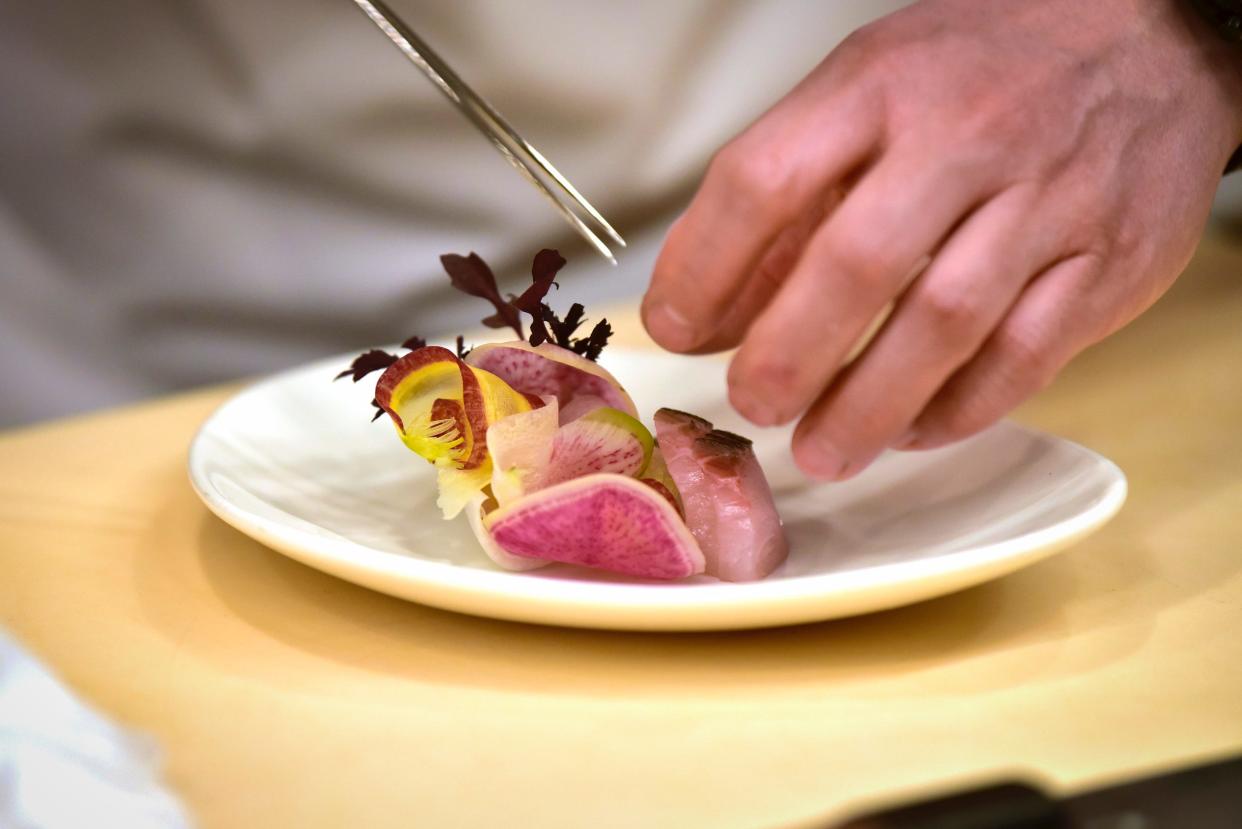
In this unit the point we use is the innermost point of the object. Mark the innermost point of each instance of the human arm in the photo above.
(1056, 161)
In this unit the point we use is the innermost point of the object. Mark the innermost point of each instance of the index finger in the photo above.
(759, 183)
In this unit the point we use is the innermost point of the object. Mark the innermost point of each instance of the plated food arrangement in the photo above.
(544, 452)
(292, 462)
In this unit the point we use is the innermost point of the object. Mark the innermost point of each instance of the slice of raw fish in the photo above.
(750, 539)
(675, 435)
(728, 503)
(606, 521)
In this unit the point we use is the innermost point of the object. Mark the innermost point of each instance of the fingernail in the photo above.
(753, 409)
(669, 327)
(821, 459)
(907, 440)
(849, 470)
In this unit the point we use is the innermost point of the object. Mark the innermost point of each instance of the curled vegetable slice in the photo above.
(423, 394)
(442, 409)
(521, 449)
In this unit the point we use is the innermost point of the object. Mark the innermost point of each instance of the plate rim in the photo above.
(613, 604)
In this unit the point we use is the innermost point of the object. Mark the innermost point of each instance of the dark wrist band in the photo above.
(1224, 16)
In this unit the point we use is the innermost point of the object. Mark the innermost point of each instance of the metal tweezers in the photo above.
(520, 154)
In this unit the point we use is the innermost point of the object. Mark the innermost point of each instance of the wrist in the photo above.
(1215, 31)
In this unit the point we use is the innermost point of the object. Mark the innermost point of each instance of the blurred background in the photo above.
(199, 190)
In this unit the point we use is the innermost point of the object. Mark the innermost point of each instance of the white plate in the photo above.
(294, 462)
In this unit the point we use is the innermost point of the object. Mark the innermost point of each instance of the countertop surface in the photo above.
(285, 697)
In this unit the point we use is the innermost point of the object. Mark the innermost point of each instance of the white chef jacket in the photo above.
(196, 190)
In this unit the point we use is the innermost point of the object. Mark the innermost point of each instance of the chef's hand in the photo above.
(1055, 160)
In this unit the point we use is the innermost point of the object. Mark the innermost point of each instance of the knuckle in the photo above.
(985, 142)
(964, 160)
(822, 433)
(857, 46)
(755, 174)
(996, 121)
(770, 376)
(1020, 363)
(1026, 360)
(962, 422)
(1093, 233)
(862, 257)
(860, 422)
(869, 45)
(774, 268)
(951, 314)
(854, 441)
(870, 59)
(956, 415)
(721, 169)
(782, 255)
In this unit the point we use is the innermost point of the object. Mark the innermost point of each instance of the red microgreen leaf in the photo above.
(538, 328)
(471, 275)
(594, 344)
(543, 275)
(563, 330)
(364, 364)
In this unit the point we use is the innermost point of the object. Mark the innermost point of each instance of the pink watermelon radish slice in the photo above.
(728, 503)
(581, 404)
(606, 440)
(530, 451)
(549, 370)
(476, 511)
(605, 521)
